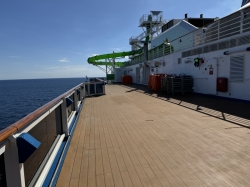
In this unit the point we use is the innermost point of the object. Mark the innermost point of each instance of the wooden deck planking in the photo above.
(127, 138)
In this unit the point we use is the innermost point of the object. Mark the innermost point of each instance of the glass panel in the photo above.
(71, 107)
(83, 90)
(45, 132)
(86, 89)
(99, 88)
(78, 97)
(92, 89)
(73, 99)
(2, 172)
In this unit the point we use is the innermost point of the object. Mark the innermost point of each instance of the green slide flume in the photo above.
(95, 59)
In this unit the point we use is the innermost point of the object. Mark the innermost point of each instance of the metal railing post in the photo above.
(75, 101)
(64, 117)
(58, 114)
(95, 87)
(14, 171)
(218, 29)
(82, 94)
(241, 21)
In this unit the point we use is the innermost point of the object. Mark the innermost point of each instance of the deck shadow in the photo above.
(233, 111)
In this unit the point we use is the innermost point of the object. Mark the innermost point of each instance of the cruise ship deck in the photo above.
(132, 137)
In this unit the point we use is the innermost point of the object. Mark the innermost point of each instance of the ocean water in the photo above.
(18, 98)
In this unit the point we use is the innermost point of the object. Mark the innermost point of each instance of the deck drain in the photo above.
(149, 120)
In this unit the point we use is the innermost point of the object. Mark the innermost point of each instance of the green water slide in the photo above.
(95, 59)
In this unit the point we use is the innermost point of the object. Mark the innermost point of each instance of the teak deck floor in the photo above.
(127, 138)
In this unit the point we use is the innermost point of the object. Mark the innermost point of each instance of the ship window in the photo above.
(237, 68)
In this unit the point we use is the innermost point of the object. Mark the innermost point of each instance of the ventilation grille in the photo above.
(224, 45)
(206, 49)
(233, 42)
(184, 54)
(213, 47)
(244, 40)
(190, 53)
(237, 68)
(197, 51)
(218, 46)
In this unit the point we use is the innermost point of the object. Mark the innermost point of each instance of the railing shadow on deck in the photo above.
(233, 111)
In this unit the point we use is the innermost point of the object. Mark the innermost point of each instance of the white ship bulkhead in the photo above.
(203, 82)
(216, 64)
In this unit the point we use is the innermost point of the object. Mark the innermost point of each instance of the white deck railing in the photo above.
(51, 125)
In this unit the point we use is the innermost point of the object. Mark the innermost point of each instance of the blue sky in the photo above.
(53, 39)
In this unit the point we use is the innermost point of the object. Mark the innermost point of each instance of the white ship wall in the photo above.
(203, 82)
(180, 29)
(118, 73)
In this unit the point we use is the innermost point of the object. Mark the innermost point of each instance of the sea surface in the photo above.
(18, 98)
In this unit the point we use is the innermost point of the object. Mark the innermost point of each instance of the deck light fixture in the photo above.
(196, 62)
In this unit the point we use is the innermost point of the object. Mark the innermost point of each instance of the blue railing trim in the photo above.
(54, 165)
(66, 147)
(26, 145)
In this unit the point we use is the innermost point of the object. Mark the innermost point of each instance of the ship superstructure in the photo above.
(221, 46)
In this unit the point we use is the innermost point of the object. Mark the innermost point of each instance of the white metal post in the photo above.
(95, 87)
(82, 94)
(75, 100)
(14, 173)
(21, 167)
(104, 88)
(218, 29)
(88, 89)
(64, 116)
(241, 21)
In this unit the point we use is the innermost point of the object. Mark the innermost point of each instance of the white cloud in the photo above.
(64, 60)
